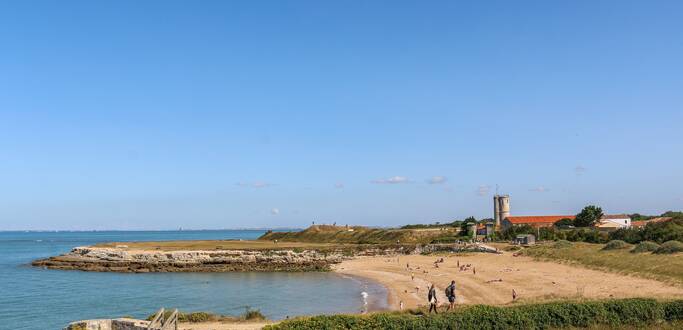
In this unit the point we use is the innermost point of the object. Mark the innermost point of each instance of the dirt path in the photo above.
(532, 280)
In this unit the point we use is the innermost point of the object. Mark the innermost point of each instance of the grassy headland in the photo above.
(361, 235)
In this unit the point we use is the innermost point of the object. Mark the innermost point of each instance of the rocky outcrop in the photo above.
(120, 260)
(101, 259)
(109, 324)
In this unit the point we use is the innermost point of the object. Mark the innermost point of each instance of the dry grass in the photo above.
(668, 268)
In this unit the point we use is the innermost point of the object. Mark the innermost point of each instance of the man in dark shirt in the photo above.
(450, 293)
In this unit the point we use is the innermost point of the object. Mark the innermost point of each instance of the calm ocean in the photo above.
(33, 298)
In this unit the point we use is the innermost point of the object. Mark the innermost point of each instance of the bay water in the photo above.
(36, 298)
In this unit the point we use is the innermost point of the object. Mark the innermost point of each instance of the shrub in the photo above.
(562, 244)
(670, 247)
(195, 317)
(636, 312)
(645, 247)
(253, 314)
(615, 245)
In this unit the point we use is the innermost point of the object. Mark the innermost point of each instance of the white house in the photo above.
(614, 222)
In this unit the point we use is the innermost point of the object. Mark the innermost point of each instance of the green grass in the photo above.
(562, 314)
(668, 268)
(361, 235)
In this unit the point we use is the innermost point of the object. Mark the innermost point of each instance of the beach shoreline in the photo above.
(490, 278)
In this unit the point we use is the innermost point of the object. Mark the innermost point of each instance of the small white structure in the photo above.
(614, 222)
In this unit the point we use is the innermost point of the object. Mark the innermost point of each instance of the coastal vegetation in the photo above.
(198, 317)
(668, 268)
(331, 234)
(670, 247)
(658, 232)
(635, 312)
(615, 245)
(646, 246)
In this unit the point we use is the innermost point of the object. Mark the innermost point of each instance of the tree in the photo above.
(588, 216)
(564, 223)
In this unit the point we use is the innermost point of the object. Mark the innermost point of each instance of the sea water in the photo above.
(36, 298)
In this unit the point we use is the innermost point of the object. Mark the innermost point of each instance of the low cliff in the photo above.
(119, 260)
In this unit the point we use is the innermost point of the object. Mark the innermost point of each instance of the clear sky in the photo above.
(226, 114)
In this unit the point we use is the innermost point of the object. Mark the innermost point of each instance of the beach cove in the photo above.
(74, 295)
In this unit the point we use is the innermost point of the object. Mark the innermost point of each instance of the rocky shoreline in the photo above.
(118, 260)
(105, 259)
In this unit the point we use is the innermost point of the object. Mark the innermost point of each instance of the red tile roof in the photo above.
(538, 219)
(639, 224)
(615, 217)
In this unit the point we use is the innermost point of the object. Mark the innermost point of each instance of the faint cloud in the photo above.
(540, 189)
(256, 184)
(391, 180)
(579, 170)
(483, 190)
(339, 185)
(437, 180)
(275, 211)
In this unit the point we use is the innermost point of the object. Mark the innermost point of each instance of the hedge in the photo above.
(635, 311)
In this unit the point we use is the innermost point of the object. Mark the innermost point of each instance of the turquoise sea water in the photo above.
(35, 298)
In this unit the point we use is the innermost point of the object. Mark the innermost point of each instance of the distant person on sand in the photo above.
(431, 296)
(450, 293)
(514, 294)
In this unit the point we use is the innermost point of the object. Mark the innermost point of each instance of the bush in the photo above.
(637, 312)
(615, 245)
(253, 314)
(670, 247)
(657, 232)
(195, 317)
(562, 244)
(645, 247)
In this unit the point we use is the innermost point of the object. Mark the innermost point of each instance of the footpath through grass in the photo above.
(663, 267)
(593, 314)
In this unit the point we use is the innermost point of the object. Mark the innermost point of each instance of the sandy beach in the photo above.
(496, 276)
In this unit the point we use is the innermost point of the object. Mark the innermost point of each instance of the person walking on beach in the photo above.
(514, 295)
(431, 296)
(450, 294)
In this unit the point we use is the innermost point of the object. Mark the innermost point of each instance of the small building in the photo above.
(472, 229)
(525, 239)
(485, 229)
(611, 222)
(534, 221)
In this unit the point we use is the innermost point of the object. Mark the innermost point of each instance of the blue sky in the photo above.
(225, 114)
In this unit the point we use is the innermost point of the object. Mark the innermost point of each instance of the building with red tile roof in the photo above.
(536, 221)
